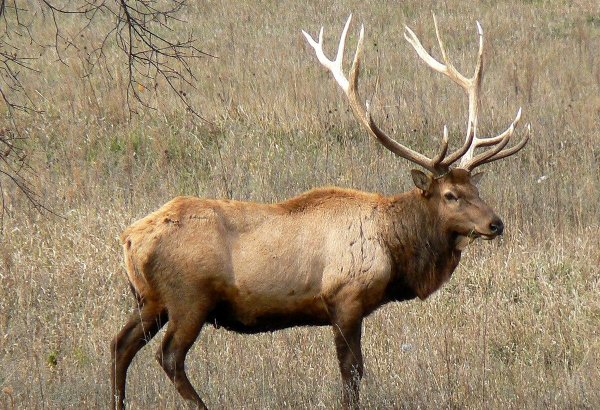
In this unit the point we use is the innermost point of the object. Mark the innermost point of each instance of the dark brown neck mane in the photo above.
(424, 255)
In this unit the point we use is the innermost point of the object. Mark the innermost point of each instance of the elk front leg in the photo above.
(347, 332)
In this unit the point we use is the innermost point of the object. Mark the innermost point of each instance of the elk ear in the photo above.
(422, 180)
(476, 178)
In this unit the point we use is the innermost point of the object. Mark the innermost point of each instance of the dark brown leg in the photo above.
(141, 327)
(347, 332)
(181, 334)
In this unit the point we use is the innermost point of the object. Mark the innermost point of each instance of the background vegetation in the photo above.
(516, 327)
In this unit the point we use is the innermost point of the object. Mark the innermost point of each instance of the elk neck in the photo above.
(422, 251)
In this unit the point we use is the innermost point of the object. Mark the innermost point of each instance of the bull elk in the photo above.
(330, 256)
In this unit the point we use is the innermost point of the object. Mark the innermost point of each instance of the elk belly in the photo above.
(254, 314)
(275, 290)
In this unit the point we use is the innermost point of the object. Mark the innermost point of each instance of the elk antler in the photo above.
(361, 112)
(471, 86)
(441, 163)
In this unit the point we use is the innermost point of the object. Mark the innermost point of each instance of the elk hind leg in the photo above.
(141, 327)
(182, 331)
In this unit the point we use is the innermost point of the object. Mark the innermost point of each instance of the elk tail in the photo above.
(137, 281)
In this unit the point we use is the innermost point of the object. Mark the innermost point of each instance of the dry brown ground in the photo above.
(516, 327)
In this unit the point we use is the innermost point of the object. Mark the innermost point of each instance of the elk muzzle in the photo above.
(497, 226)
(492, 229)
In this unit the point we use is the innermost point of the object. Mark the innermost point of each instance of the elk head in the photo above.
(460, 211)
(450, 192)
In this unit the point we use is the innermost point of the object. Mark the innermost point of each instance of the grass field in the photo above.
(517, 326)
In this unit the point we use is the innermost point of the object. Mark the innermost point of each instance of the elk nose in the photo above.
(497, 227)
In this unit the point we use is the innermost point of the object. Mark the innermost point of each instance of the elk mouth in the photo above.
(495, 228)
(486, 237)
(461, 241)
(475, 234)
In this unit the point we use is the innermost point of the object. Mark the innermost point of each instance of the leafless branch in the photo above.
(142, 30)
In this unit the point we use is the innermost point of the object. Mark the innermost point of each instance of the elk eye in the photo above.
(450, 196)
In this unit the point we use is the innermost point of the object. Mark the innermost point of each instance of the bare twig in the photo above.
(143, 33)
(142, 30)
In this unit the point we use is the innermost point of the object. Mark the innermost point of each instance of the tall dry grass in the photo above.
(516, 327)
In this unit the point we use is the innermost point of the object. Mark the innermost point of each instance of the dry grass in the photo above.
(516, 327)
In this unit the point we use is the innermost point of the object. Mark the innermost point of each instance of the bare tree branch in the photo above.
(143, 32)
(141, 29)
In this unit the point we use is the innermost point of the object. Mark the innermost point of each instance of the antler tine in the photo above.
(470, 85)
(441, 163)
(497, 152)
(514, 149)
(359, 110)
(481, 158)
(450, 159)
(334, 66)
(489, 141)
(437, 160)
(447, 68)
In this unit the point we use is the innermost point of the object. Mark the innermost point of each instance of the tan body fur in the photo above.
(275, 266)
(247, 256)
